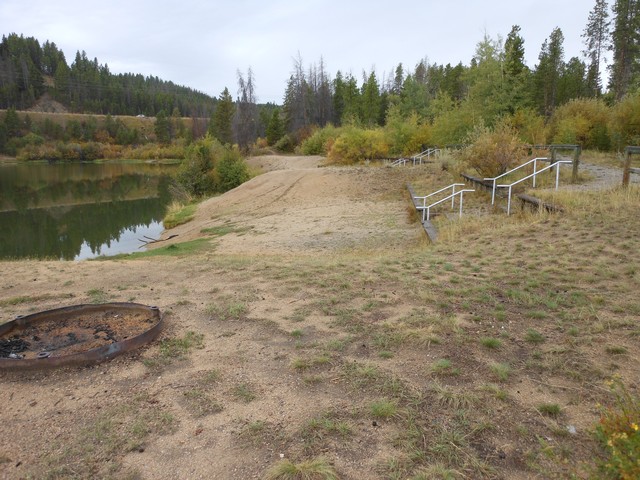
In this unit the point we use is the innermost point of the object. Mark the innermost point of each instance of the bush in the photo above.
(285, 144)
(452, 127)
(493, 151)
(405, 136)
(232, 170)
(619, 433)
(625, 122)
(320, 141)
(582, 121)
(356, 144)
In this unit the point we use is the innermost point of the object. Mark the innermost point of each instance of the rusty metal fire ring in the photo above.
(104, 343)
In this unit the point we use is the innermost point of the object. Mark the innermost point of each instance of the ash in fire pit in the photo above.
(11, 347)
(81, 332)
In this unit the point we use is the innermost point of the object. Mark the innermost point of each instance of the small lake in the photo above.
(76, 211)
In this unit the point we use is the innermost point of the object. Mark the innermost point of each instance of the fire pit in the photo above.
(77, 335)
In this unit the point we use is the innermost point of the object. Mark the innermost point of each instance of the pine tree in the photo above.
(549, 71)
(596, 40)
(221, 125)
(626, 51)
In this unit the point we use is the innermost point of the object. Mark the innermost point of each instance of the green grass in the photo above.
(179, 214)
(501, 371)
(314, 469)
(490, 342)
(97, 295)
(444, 367)
(550, 409)
(243, 392)
(383, 409)
(192, 247)
(533, 336)
(224, 230)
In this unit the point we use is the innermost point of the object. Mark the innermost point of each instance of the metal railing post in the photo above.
(461, 195)
(509, 202)
(535, 164)
(493, 193)
(453, 196)
(557, 175)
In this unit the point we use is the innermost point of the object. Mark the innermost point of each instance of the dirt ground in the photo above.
(298, 265)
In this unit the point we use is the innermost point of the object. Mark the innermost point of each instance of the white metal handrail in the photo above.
(548, 167)
(426, 209)
(535, 165)
(427, 153)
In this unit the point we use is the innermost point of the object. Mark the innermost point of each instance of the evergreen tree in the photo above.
(371, 101)
(221, 125)
(162, 128)
(626, 51)
(596, 40)
(549, 71)
(275, 128)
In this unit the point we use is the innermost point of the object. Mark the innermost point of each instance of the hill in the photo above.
(29, 70)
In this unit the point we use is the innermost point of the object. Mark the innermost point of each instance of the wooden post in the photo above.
(576, 163)
(627, 169)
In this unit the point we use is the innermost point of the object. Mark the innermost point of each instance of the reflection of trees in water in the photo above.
(59, 232)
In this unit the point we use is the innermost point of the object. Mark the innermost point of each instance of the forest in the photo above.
(345, 117)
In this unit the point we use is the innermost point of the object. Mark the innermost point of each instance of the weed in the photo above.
(227, 310)
(200, 402)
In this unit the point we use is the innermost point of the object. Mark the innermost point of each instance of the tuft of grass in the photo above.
(383, 409)
(174, 250)
(178, 214)
(227, 310)
(444, 367)
(533, 336)
(222, 230)
(616, 350)
(551, 409)
(179, 347)
(490, 342)
(501, 371)
(200, 402)
(243, 392)
(97, 295)
(315, 469)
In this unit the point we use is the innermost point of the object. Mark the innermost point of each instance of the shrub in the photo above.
(493, 151)
(356, 144)
(320, 140)
(625, 122)
(405, 136)
(232, 170)
(619, 433)
(452, 127)
(582, 121)
(285, 145)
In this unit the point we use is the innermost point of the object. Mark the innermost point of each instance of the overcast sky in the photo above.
(203, 43)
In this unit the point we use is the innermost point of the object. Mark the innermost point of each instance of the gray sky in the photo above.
(201, 44)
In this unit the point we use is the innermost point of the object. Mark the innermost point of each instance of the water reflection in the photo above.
(76, 211)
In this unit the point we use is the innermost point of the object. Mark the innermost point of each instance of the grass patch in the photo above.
(315, 469)
(551, 409)
(20, 300)
(501, 371)
(243, 392)
(222, 230)
(200, 403)
(192, 247)
(97, 295)
(444, 367)
(383, 409)
(533, 336)
(490, 342)
(227, 310)
(178, 214)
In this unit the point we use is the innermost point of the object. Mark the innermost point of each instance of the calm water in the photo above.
(74, 211)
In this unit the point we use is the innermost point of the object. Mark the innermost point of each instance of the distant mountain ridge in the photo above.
(32, 73)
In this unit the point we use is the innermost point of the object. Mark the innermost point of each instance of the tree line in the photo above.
(28, 70)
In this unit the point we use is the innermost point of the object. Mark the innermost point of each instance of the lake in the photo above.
(75, 211)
